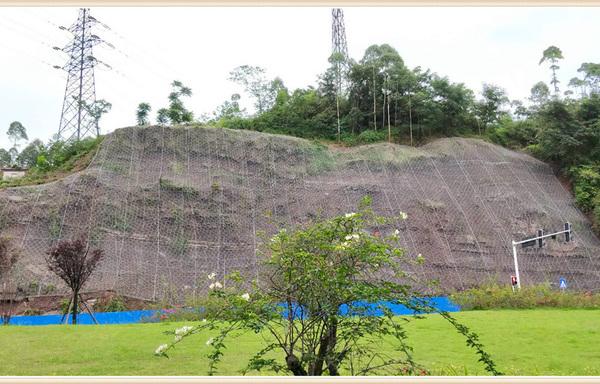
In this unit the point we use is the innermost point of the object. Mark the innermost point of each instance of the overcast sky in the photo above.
(200, 45)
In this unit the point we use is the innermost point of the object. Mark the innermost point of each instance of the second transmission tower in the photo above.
(339, 57)
(76, 120)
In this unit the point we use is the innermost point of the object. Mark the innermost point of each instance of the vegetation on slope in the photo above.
(494, 296)
(54, 161)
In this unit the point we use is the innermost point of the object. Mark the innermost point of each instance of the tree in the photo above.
(16, 132)
(9, 255)
(257, 85)
(143, 110)
(229, 109)
(73, 262)
(323, 286)
(563, 138)
(577, 83)
(96, 109)
(591, 73)
(552, 54)
(5, 158)
(489, 109)
(162, 116)
(176, 112)
(540, 93)
(28, 156)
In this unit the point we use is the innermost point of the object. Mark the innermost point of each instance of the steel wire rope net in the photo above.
(169, 205)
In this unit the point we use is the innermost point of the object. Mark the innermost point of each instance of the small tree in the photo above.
(96, 110)
(143, 110)
(323, 302)
(552, 54)
(73, 262)
(16, 132)
(9, 255)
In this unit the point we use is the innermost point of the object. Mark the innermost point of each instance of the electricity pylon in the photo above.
(339, 57)
(77, 120)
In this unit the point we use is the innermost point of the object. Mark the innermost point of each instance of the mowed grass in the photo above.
(522, 342)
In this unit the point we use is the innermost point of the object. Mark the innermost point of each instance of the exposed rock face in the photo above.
(170, 205)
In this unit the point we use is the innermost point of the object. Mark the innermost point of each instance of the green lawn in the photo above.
(523, 342)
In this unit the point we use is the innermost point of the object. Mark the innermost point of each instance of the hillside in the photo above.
(170, 205)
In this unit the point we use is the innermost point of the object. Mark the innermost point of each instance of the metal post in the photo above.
(516, 265)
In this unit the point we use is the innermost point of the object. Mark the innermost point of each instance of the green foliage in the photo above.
(55, 159)
(141, 114)
(176, 112)
(495, 296)
(96, 109)
(253, 80)
(114, 304)
(64, 306)
(586, 186)
(369, 136)
(312, 273)
(514, 134)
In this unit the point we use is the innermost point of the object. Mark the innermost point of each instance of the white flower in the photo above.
(349, 215)
(403, 215)
(348, 237)
(212, 276)
(209, 341)
(246, 296)
(183, 330)
(204, 320)
(396, 232)
(215, 285)
(355, 236)
(161, 349)
(178, 338)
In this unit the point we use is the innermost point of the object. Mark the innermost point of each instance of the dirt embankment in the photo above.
(171, 205)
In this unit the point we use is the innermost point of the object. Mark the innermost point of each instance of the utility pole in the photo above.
(76, 121)
(339, 57)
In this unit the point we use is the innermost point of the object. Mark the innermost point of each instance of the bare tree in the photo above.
(74, 263)
(9, 255)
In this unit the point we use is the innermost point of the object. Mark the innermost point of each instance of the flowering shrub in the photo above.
(310, 274)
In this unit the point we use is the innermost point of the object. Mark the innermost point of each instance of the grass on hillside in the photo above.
(77, 159)
(525, 342)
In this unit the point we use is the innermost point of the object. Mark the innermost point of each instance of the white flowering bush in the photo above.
(316, 302)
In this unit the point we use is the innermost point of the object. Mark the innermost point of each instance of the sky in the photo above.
(201, 45)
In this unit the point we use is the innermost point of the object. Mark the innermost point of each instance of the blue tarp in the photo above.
(442, 303)
(126, 317)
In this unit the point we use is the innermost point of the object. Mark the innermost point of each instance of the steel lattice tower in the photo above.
(76, 121)
(339, 57)
(339, 46)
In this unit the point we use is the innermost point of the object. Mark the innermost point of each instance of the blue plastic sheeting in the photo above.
(441, 303)
(84, 318)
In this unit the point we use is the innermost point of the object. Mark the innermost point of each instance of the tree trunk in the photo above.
(410, 119)
(374, 102)
(332, 360)
(75, 307)
(295, 366)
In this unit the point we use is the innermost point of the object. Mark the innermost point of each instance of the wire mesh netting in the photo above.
(171, 205)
